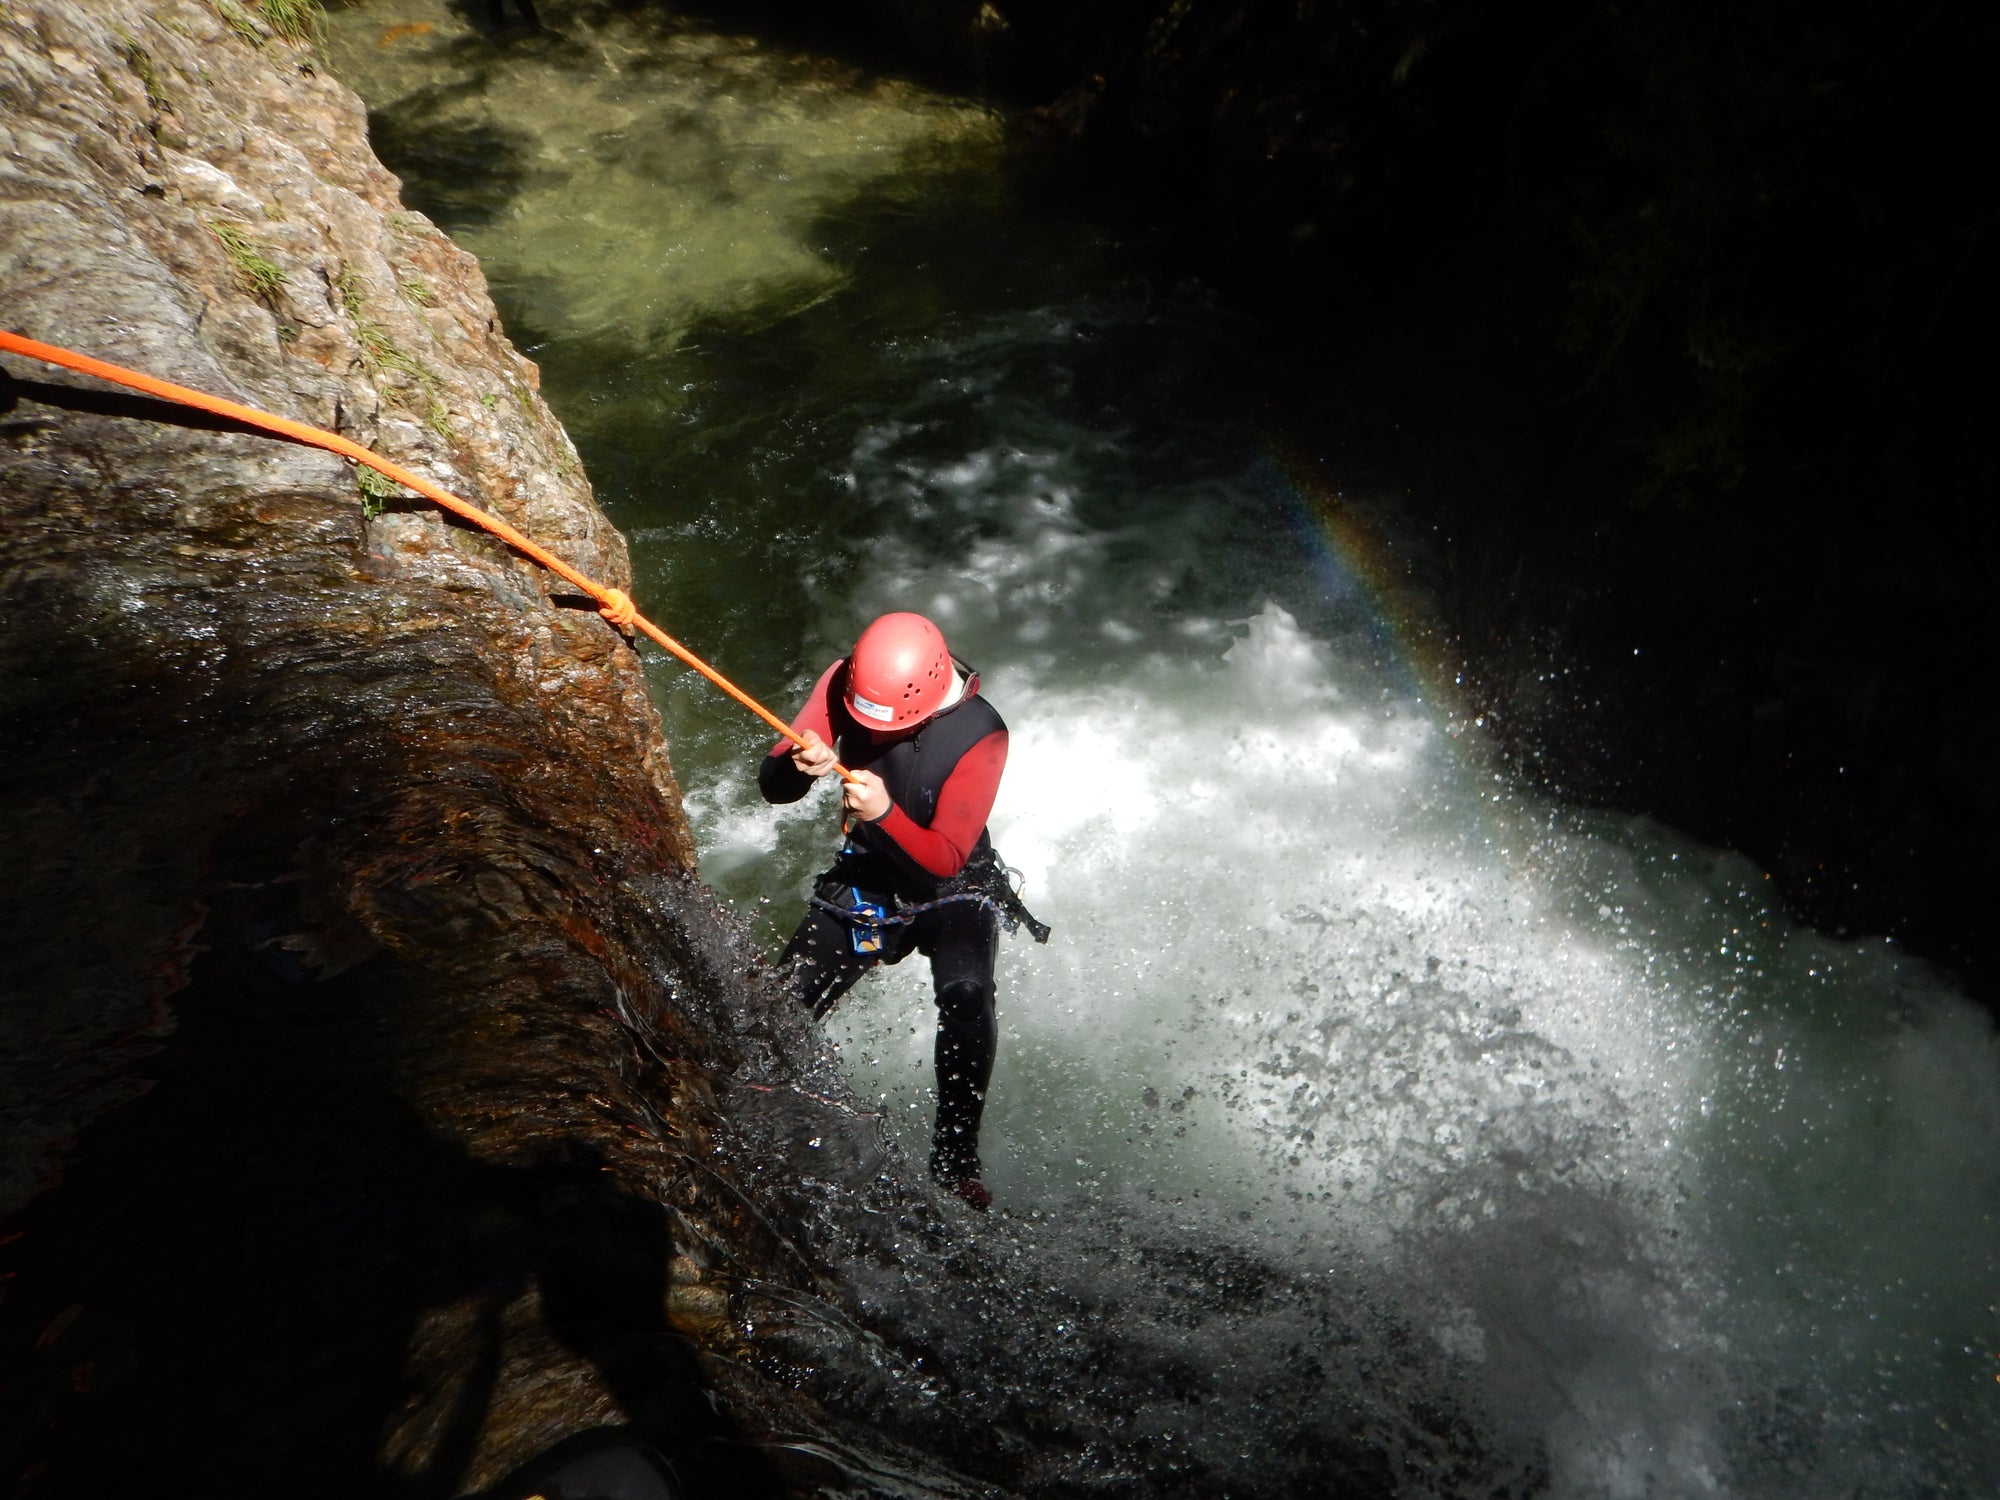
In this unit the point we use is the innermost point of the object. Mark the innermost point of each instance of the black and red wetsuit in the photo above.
(941, 778)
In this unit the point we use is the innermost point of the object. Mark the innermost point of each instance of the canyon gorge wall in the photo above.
(363, 1020)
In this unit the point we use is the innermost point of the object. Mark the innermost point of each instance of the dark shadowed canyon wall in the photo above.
(1671, 319)
(363, 1025)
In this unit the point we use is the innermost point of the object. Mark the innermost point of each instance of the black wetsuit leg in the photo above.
(962, 942)
(827, 965)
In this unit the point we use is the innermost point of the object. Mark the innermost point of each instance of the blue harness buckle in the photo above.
(866, 920)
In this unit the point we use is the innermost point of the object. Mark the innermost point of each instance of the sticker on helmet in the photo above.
(881, 713)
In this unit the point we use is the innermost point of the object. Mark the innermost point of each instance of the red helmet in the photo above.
(899, 673)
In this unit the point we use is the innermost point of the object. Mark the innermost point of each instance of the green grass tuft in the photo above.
(380, 352)
(300, 22)
(377, 490)
(262, 275)
(241, 22)
(141, 62)
(437, 415)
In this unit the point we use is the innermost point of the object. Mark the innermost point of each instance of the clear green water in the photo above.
(1692, 1201)
(720, 253)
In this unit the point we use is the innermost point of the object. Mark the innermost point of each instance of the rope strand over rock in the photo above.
(614, 604)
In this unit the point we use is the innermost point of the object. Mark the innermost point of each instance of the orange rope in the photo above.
(614, 604)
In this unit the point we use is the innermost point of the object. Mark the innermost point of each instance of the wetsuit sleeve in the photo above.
(777, 778)
(964, 803)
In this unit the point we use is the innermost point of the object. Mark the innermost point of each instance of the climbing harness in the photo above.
(867, 916)
(614, 604)
(872, 917)
(864, 914)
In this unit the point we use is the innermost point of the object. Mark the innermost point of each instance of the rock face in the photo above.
(360, 1038)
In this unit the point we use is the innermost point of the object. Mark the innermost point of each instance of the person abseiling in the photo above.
(916, 871)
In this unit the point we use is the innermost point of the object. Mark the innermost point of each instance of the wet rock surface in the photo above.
(363, 1024)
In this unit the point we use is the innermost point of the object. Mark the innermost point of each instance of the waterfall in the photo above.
(1550, 1108)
